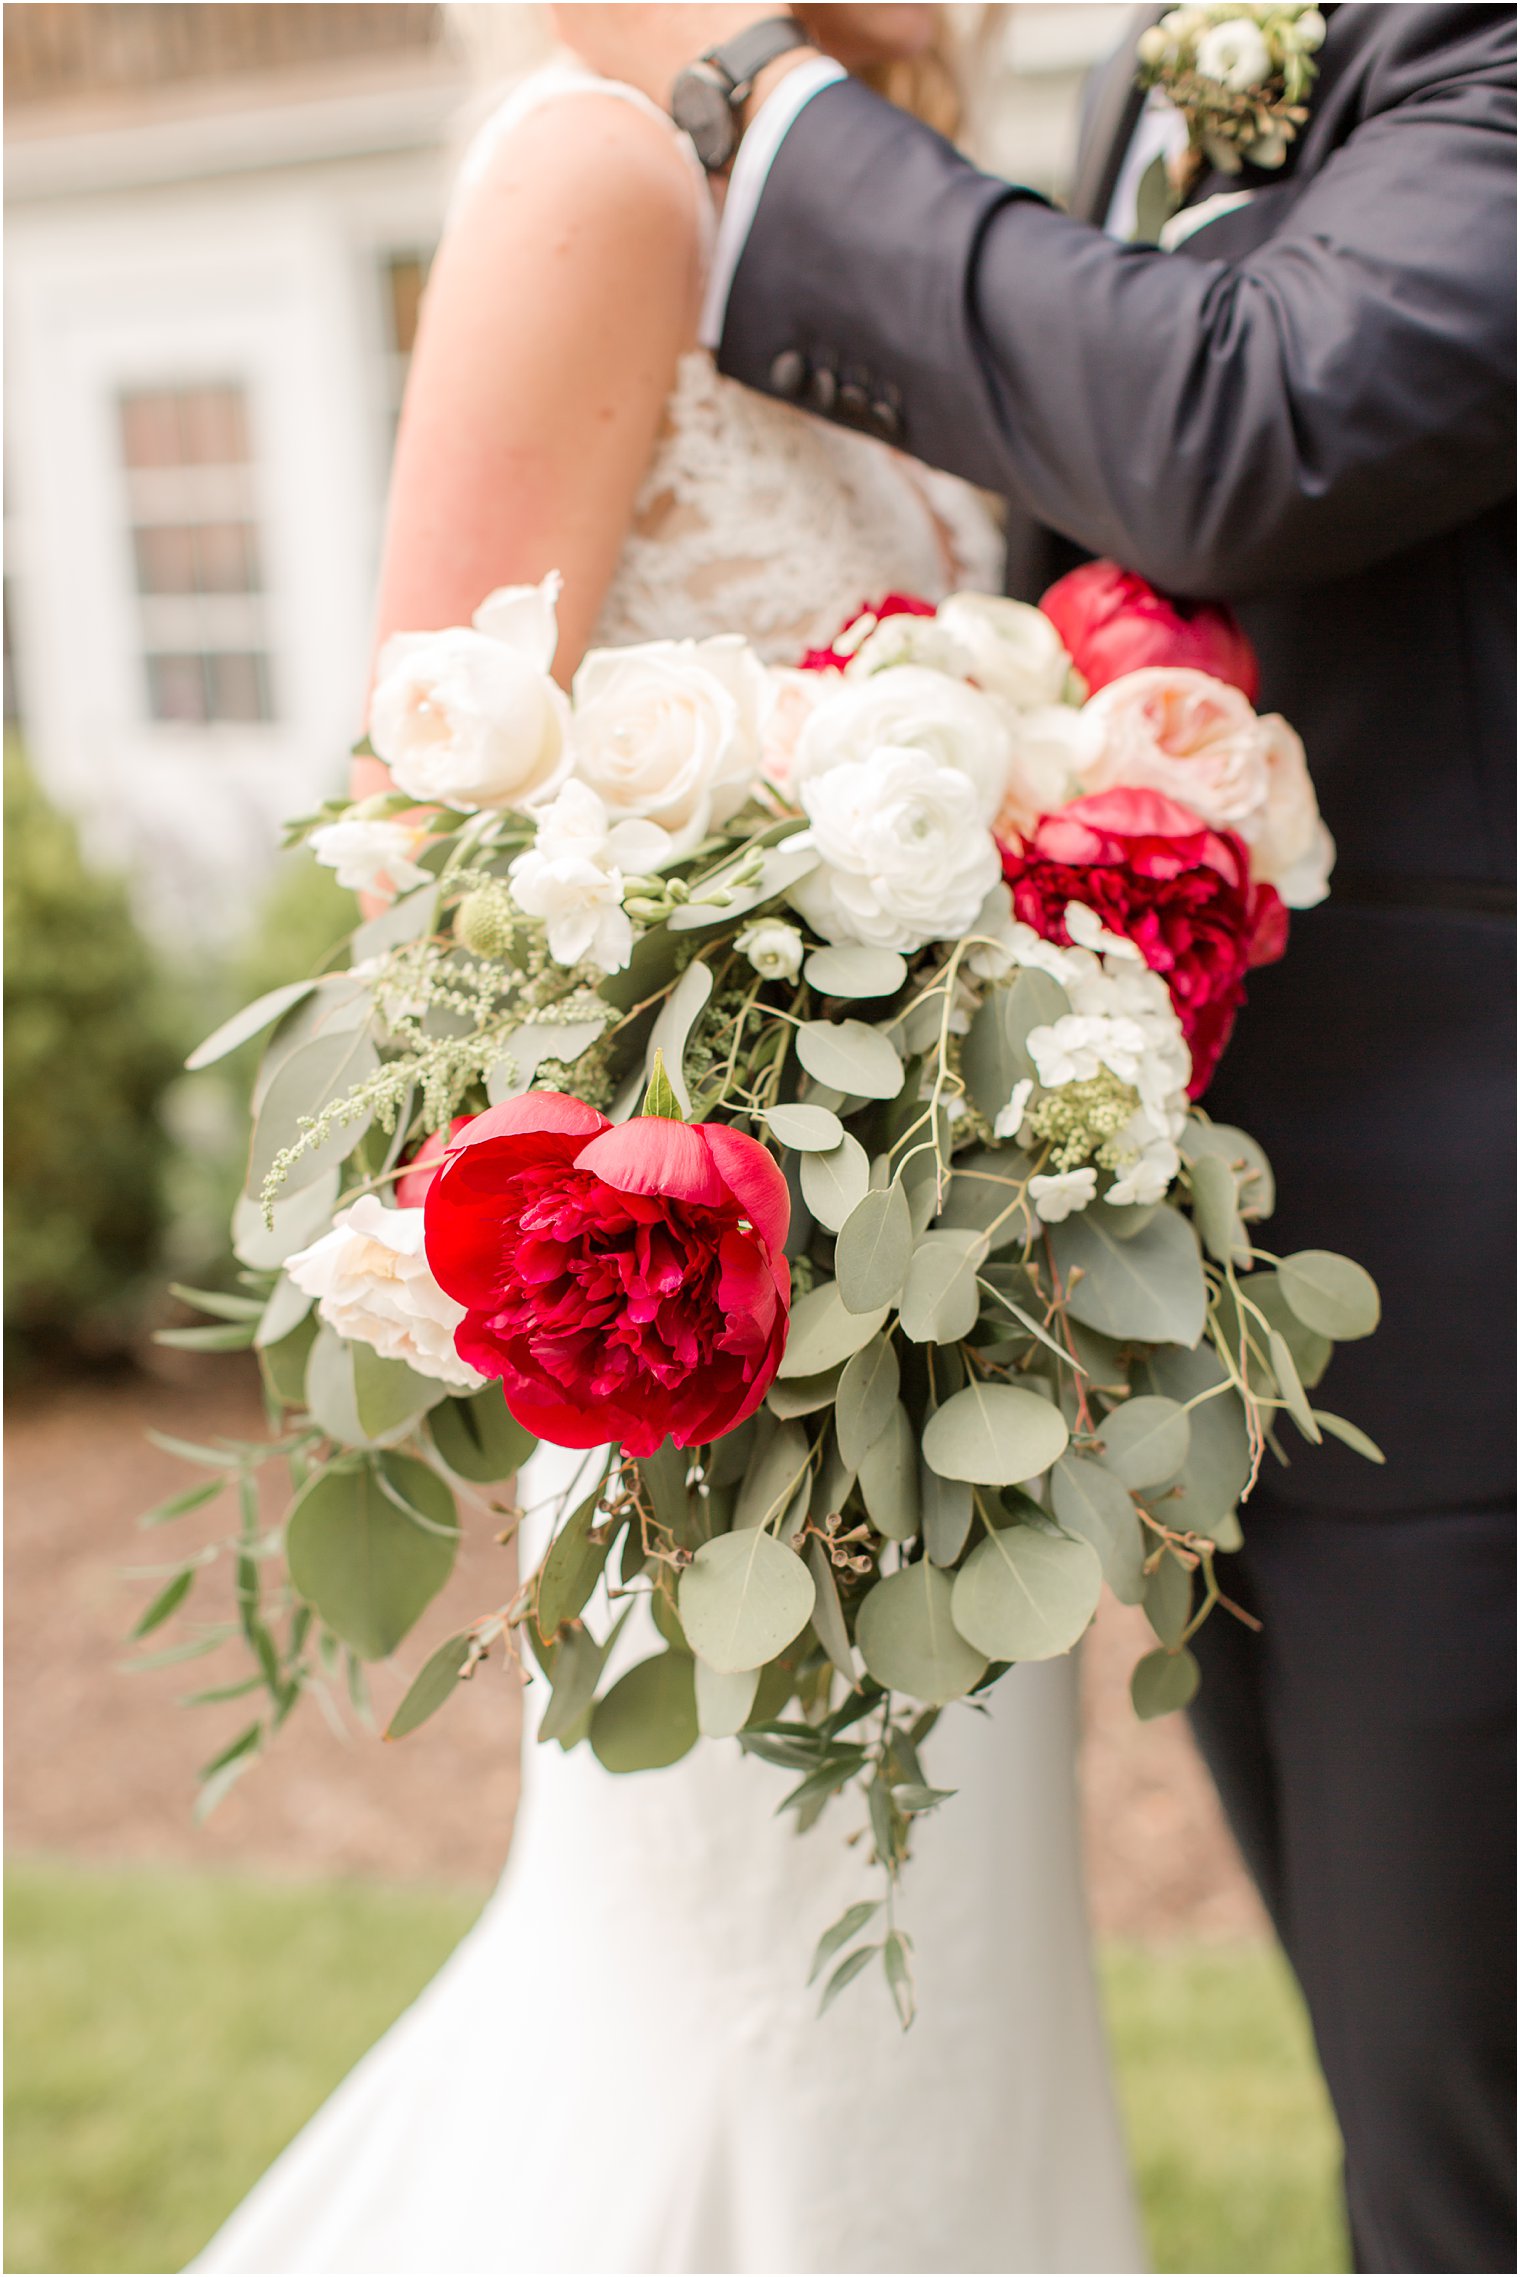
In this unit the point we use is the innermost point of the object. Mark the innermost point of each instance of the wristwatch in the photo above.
(707, 98)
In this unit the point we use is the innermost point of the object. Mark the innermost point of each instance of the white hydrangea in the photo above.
(373, 1285)
(571, 877)
(1055, 1196)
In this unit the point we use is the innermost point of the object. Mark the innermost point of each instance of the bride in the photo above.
(620, 2069)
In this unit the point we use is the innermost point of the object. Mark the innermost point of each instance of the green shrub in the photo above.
(90, 1044)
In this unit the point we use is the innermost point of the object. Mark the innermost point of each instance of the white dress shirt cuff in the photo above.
(756, 156)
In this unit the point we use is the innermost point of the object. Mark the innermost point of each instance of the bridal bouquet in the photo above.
(782, 1085)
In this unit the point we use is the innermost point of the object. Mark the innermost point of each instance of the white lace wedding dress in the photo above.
(620, 2069)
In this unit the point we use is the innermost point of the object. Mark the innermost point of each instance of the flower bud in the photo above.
(485, 921)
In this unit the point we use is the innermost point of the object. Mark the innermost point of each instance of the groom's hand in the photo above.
(648, 46)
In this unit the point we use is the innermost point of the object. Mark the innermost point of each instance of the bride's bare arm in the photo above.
(560, 301)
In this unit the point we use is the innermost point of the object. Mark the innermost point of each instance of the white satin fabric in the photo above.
(621, 2069)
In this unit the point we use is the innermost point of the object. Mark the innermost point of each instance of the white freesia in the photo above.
(571, 877)
(373, 1285)
(369, 853)
(906, 855)
(469, 717)
(1013, 651)
(1234, 54)
(941, 721)
(672, 731)
(1055, 1194)
(773, 947)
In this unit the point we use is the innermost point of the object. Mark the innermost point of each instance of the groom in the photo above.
(1305, 410)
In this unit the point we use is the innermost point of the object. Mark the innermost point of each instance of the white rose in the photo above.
(773, 947)
(1234, 55)
(470, 718)
(906, 855)
(373, 1285)
(1167, 728)
(913, 709)
(671, 731)
(1014, 651)
(1290, 846)
(794, 697)
(1051, 749)
(369, 854)
(571, 877)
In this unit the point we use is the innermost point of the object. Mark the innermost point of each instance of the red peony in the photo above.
(895, 605)
(1113, 622)
(1154, 872)
(412, 1187)
(624, 1281)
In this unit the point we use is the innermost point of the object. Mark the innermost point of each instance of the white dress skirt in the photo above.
(622, 2068)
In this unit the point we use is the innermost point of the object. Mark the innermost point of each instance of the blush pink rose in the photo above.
(1154, 872)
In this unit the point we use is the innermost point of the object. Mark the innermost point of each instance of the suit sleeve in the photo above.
(1337, 394)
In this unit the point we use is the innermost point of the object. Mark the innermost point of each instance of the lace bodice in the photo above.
(754, 517)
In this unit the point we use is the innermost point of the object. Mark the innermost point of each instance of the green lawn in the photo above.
(166, 2033)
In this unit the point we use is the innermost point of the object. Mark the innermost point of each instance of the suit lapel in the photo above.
(1111, 122)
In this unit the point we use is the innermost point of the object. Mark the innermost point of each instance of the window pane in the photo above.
(165, 559)
(177, 687)
(150, 428)
(405, 274)
(239, 687)
(215, 431)
(228, 558)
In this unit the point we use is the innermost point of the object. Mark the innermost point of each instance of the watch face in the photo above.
(700, 108)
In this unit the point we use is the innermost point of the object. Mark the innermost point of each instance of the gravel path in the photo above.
(101, 1765)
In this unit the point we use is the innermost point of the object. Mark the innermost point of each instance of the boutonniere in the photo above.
(1239, 76)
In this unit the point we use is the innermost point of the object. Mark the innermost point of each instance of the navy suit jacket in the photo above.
(1308, 411)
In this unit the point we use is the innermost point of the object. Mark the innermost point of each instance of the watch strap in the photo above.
(741, 59)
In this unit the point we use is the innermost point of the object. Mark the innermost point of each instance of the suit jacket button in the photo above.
(854, 405)
(789, 374)
(822, 389)
(887, 420)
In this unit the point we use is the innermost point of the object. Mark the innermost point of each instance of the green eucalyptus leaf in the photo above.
(1088, 1500)
(1330, 1294)
(390, 1396)
(1162, 1682)
(1025, 1594)
(578, 1661)
(299, 1219)
(743, 1598)
(572, 1567)
(944, 1506)
(835, 1182)
(875, 1245)
(994, 1435)
(1255, 1186)
(1312, 1353)
(1149, 1287)
(889, 1478)
(781, 866)
(866, 1398)
(982, 1185)
(850, 1057)
(1218, 1464)
(802, 1395)
(846, 1973)
(940, 1298)
(649, 1718)
(1290, 1387)
(1168, 1599)
(724, 1702)
(367, 1569)
(244, 1025)
(828, 1615)
(855, 971)
(909, 1641)
(435, 1682)
(1216, 1211)
(479, 1438)
(1146, 1441)
(669, 1036)
(524, 1049)
(311, 1079)
(1350, 1435)
(823, 1333)
(811, 1130)
(847, 1926)
(777, 1465)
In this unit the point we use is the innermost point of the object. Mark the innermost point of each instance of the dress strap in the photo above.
(550, 84)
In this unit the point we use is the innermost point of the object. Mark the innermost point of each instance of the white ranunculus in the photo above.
(906, 856)
(773, 947)
(909, 709)
(571, 877)
(1056, 1194)
(908, 639)
(373, 1285)
(469, 717)
(1290, 846)
(671, 731)
(369, 854)
(1014, 651)
(1234, 54)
